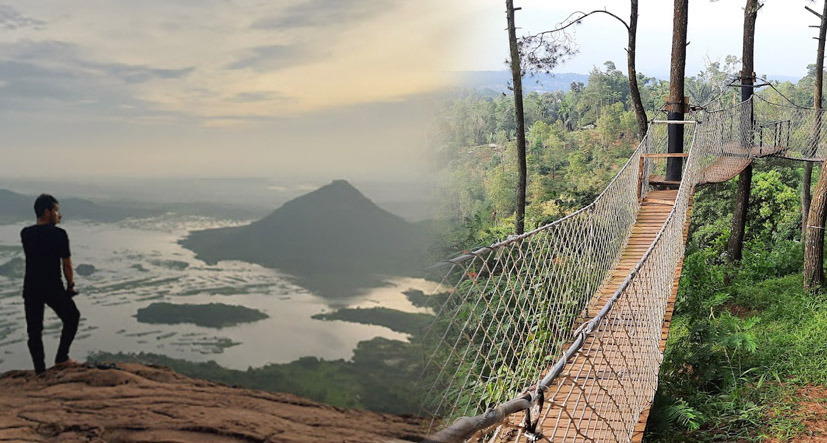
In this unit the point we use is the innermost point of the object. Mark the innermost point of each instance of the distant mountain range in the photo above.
(16, 207)
(334, 240)
(19, 208)
(499, 81)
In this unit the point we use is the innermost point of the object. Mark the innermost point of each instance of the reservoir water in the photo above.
(139, 262)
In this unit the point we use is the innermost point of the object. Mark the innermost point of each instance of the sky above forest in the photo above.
(784, 44)
(297, 89)
(221, 88)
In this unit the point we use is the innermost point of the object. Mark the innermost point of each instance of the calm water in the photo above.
(139, 262)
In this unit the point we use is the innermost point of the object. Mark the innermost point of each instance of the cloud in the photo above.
(321, 13)
(54, 55)
(44, 88)
(174, 61)
(137, 73)
(11, 19)
(41, 49)
(259, 96)
(273, 58)
(53, 75)
(30, 81)
(223, 123)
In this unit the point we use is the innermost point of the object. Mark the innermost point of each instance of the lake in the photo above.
(139, 262)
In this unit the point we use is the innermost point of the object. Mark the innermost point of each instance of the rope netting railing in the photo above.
(789, 131)
(513, 333)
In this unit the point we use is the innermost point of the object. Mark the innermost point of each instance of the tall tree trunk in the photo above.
(517, 78)
(806, 183)
(814, 242)
(735, 245)
(640, 112)
(675, 105)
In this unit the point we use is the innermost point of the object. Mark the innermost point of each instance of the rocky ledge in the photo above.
(136, 403)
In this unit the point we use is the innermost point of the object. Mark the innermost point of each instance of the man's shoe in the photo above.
(65, 363)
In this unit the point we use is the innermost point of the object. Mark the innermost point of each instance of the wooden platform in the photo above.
(726, 167)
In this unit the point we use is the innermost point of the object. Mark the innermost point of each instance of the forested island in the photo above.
(211, 315)
(406, 322)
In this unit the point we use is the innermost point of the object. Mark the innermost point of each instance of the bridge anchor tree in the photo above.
(675, 106)
(735, 245)
(517, 80)
(807, 178)
(814, 222)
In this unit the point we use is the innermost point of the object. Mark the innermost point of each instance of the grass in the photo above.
(737, 358)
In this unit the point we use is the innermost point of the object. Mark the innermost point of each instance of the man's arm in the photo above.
(68, 272)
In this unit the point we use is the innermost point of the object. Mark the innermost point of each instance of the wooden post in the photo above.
(675, 105)
(640, 179)
(735, 244)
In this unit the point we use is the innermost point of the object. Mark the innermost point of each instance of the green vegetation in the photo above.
(405, 322)
(176, 265)
(206, 345)
(225, 290)
(576, 142)
(212, 315)
(380, 377)
(418, 298)
(737, 354)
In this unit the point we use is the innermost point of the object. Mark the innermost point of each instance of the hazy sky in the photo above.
(298, 88)
(783, 44)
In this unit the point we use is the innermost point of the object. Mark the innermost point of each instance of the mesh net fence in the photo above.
(789, 131)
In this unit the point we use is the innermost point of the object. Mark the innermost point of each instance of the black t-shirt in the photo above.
(44, 246)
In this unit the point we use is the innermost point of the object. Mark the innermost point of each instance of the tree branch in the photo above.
(571, 21)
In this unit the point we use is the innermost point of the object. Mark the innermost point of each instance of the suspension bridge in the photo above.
(558, 334)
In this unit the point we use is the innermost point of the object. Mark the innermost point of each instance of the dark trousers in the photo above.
(65, 308)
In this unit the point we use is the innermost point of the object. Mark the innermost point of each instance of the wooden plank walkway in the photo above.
(640, 428)
(564, 424)
(577, 420)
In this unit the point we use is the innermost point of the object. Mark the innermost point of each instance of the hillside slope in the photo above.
(154, 404)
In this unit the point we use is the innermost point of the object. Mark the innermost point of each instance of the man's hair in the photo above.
(44, 202)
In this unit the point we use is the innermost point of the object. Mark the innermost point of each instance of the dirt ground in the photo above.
(153, 404)
(811, 409)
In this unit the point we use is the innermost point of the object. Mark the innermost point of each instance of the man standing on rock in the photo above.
(47, 250)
